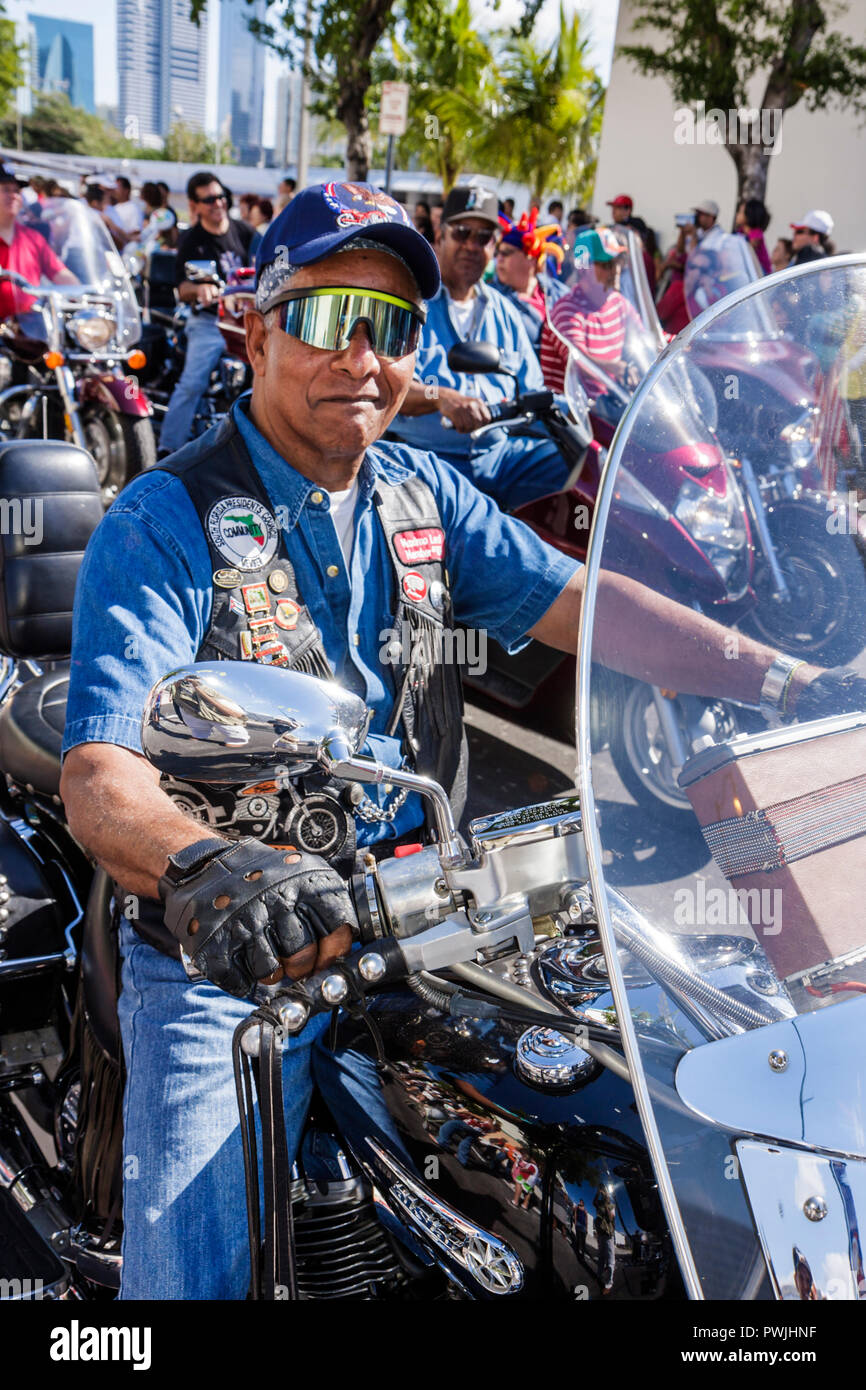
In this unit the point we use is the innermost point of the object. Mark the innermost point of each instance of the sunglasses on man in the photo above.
(464, 235)
(213, 198)
(327, 317)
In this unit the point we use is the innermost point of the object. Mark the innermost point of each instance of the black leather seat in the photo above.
(52, 505)
(31, 730)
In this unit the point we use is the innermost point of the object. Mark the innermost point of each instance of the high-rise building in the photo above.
(162, 67)
(184, 67)
(290, 90)
(61, 58)
(241, 79)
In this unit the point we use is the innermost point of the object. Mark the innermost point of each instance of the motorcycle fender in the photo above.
(120, 393)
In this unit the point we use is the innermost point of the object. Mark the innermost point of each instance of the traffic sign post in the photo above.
(393, 119)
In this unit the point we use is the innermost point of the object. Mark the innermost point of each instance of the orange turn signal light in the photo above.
(53, 359)
(136, 360)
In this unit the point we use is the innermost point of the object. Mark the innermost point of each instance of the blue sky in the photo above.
(600, 15)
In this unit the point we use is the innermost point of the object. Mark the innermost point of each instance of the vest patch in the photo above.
(243, 531)
(414, 586)
(420, 547)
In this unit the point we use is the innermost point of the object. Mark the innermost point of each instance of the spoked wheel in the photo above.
(121, 446)
(640, 751)
(823, 619)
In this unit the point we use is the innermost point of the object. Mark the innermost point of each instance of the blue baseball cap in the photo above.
(322, 218)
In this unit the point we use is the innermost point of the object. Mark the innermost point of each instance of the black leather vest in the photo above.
(259, 614)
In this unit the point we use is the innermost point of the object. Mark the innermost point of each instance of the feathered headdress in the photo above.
(534, 241)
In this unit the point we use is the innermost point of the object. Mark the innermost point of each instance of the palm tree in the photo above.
(546, 130)
(449, 67)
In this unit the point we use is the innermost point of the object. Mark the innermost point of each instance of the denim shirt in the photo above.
(499, 322)
(144, 594)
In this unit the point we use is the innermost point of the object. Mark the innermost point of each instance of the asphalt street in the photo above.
(515, 762)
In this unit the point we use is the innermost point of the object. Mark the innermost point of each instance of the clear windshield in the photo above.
(79, 238)
(610, 326)
(725, 807)
(717, 266)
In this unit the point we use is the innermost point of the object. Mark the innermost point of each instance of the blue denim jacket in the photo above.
(499, 322)
(143, 600)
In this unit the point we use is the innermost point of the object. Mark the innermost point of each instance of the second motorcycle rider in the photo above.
(288, 535)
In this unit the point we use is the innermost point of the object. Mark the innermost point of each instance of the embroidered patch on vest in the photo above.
(414, 586)
(243, 531)
(419, 547)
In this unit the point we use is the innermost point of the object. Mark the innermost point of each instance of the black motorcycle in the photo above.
(557, 1092)
(476, 1008)
(164, 323)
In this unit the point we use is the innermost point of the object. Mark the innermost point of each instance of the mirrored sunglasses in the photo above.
(464, 234)
(327, 317)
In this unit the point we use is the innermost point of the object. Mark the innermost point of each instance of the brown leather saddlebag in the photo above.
(785, 811)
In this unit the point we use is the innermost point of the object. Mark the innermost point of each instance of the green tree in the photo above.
(450, 70)
(713, 52)
(57, 126)
(546, 125)
(188, 145)
(344, 38)
(11, 73)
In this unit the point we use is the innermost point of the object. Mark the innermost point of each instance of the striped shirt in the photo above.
(598, 332)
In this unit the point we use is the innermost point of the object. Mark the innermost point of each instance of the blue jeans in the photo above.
(204, 348)
(515, 471)
(184, 1208)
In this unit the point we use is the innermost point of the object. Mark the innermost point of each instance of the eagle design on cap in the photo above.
(376, 206)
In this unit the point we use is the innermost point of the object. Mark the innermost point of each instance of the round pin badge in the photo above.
(437, 593)
(414, 586)
(243, 531)
(227, 579)
(278, 581)
(286, 614)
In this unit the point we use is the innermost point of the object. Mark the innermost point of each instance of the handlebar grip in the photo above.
(346, 981)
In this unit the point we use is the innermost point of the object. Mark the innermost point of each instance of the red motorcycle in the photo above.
(67, 355)
(782, 423)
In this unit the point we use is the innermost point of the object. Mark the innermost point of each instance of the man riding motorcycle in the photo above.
(595, 316)
(442, 407)
(212, 236)
(288, 535)
(26, 251)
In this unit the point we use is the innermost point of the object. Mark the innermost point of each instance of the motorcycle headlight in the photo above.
(800, 437)
(91, 330)
(630, 493)
(716, 521)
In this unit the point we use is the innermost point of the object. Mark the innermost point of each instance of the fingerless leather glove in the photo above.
(248, 906)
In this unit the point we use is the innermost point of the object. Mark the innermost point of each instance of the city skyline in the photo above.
(601, 16)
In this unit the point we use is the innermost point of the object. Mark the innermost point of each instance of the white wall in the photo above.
(821, 163)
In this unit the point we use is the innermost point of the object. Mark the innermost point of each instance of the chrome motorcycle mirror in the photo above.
(220, 722)
(228, 721)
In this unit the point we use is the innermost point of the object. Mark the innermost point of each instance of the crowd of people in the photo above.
(511, 279)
